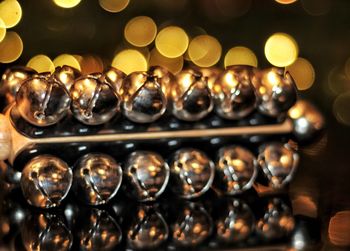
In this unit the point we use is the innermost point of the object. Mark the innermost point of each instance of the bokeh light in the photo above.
(130, 60)
(281, 49)
(90, 63)
(11, 47)
(285, 1)
(341, 108)
(338, 82)
(303, 73)
(347, 68)
(224, 10)
(114, 6)
(316, 7)
(304, 204)
(339, 228)
(204, 50)
(67, 3)
(67, 59)
(140, 31)
(10, 12)
(41, 63)
(174, 65)
(2, 30)
(172, 41)
(240, 55)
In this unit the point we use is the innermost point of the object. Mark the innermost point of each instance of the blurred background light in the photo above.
(174, 65)
(140, 31)
(204, 50)
(341, 108)
(339, 229)
(347, 68)
(11, 47)
(285, 1)
(240, 55)
(90, 63)
(281, 49)
(338, 82)
(114, 6)
(130, 60)
(66, 59)
(172, 41)
(303, 73)
(10, 12)
(2, 29)
(41, 63)
(316, 7)
(67, 3)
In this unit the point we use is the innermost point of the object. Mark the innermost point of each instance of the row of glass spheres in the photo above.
(97, 177)
(143, 97)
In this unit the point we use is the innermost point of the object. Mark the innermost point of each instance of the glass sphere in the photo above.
(191, 173)
(275, 90)
(165, 78)
(278, 162)
(97, 178)
(191, 97)
(5, 138)
(42, 102)
(46, 181)
(114, 77)
(147, 175)
(143, 98)
(94, 101)
(236, 169)
(211, 74)
(66, 75)
(234, 93)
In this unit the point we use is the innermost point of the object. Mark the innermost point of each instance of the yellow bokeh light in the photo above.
(172, 41)
(204, 50)
(2, 30)
(90, 63)
(240, 55)
(67, 3)
(140, 31)
(114, 6)
(130, 60)
(11, 47)
(303, 73)
(66, 59)
(10, 12)
(285, 1)
(41, 63)
(174, 65)
(341, 108)
(339, 229)
(281, 49)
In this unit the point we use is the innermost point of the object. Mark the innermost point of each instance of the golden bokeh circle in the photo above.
(204, 50)
(174, 65)
(130, 60)
(240, 55)
(303, 73)
(67, 3)
(66, 59)
(285, 1)
(172, 41)
(11, 47)
(10, 12)
(140, 31)
(114, 6)
(281, 49)
(2, 30)
(341, 108)
(41, 63)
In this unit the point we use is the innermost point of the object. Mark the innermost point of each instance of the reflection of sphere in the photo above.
(42, 101)
(45, 181)
(191, 97)
(66, 75)
(143, 98)
(165, 78)
(275, 90)
(93, 102)
(147, 175)
(236, 169)
(192, 173)
(279, 162)
(5, 138)
(236, 222)
(234, 93)
(97, 178)
(148, 229)
(114, 77)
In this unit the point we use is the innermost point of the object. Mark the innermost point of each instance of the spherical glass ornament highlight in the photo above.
(174, 65)
(66, 75)
(5, 138)
(66, 59)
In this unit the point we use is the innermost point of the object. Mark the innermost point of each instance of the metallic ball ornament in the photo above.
(278, 162)
(308, 122)
(97, 178)
(236, 222)
(148, 230)
(66, 75)
(191, 173)
(5, 138)
(42, 101)
(143, 98)
(12, 80)
(94, 101)
(191, 97)
(46, 181)
(165, 78)
(211, 74)
(114, 77)
(236, 169)
(275, 90)
(147, 175)
(234, 93)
